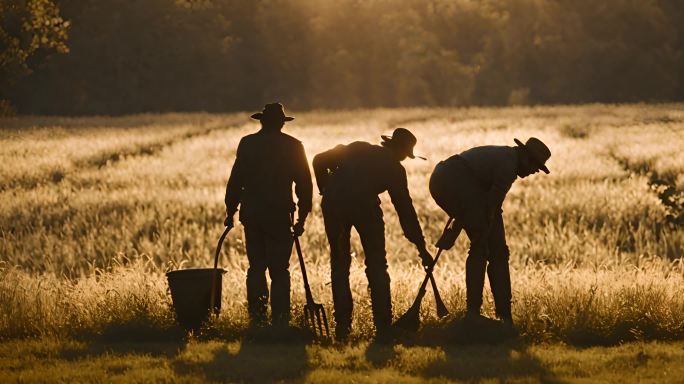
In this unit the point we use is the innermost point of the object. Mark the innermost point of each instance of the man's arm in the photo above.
(324, 164)
(401, 199)
(502, 180)
(303, 184)
(496, 196)
(235, 183)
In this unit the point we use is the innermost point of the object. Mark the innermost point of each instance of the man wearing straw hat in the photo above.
(350, 178)
(267, 163)
(471, 188)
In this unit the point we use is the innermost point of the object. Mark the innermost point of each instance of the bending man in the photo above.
(350, 178)
(267, 164)
(471, 188)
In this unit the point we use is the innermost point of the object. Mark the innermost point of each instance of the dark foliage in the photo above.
(219, 55)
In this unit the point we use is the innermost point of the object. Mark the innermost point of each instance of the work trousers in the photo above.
(367, 219)
(458, 192)
(270, 251)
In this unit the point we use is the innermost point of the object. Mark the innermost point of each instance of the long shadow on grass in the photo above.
(132, 337)
(481, 349)
(262, 357)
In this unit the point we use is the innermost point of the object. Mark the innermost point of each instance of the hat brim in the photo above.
(539, 165)
(259, 116)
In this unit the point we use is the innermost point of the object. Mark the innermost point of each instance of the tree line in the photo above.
(122, 56)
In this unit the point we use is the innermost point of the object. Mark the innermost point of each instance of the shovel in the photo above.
(314, 314)
(410, 321)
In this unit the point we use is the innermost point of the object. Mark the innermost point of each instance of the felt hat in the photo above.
(403, 139)
(538, 151)
(272, 112)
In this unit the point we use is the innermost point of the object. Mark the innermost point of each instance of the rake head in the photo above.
(316, 321)
(410, 321)
(442, 310)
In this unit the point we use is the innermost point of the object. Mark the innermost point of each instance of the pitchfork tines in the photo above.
(315, 318)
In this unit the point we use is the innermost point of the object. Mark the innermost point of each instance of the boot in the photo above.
(342, 333)
(509, 327)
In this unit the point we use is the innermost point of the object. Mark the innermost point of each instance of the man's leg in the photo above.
(338, 232)
(475, 271)
(371, 229)
(475, 224)
(279, 250)
(497, 270)
(442, 190)
(457, 193)
(257, 290)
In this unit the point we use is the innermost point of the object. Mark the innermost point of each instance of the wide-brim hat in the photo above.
(403, 139)
(272, 112)
(538, 151)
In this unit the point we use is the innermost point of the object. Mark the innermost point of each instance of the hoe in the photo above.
(410, 321)
(314, 314)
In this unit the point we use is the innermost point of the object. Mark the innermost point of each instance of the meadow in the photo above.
(94, 211)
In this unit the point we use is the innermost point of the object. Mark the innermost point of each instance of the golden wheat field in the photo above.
(94, 211)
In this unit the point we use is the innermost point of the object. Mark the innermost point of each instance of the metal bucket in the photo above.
(192, 296)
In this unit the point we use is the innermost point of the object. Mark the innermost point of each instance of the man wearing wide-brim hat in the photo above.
(267, 163)
(350, 178)
(471, 188)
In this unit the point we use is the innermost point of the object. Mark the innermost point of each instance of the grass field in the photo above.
(232, 361)
(93, 211)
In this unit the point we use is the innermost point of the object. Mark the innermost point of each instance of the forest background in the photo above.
(84, 57)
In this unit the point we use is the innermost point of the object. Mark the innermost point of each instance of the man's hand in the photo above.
(298, 228)
(448, 238)
(425, 257)
(229, 222)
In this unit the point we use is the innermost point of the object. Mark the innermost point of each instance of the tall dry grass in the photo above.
(595, 248)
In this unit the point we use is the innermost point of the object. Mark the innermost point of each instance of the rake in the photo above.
(410, 321)
(314, 314)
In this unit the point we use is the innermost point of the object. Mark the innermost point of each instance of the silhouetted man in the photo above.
(267, 164)
(471, 188)
(350, 178)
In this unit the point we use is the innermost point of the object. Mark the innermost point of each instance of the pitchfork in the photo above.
(314, 313)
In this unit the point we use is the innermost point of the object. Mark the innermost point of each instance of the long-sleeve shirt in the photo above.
(496, 169)
(355, 174)
(266, 165)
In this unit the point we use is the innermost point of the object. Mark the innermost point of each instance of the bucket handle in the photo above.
(214, 277)
(218, 247)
